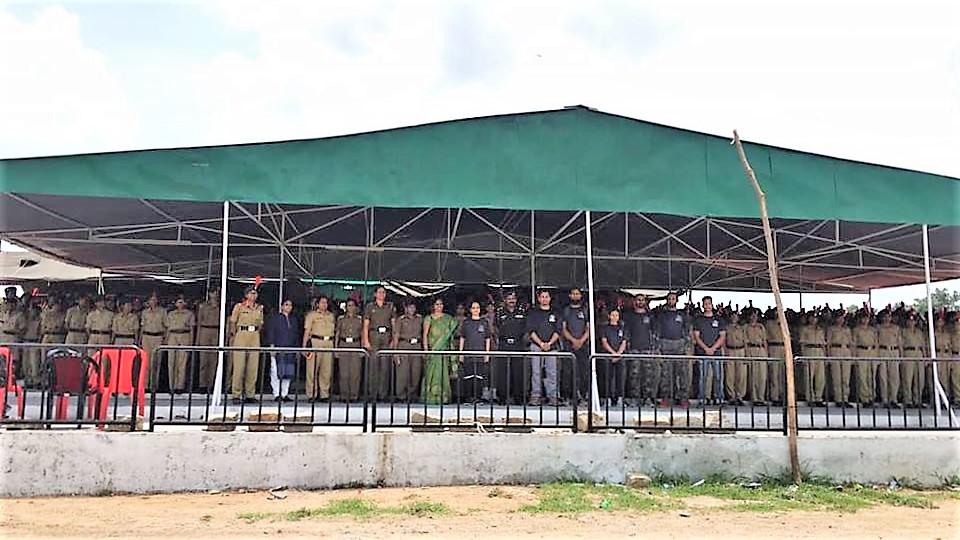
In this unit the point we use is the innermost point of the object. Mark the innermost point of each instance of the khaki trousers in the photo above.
(351, 373)
(866, 371)
(758, 374)
(817, 374)
(208, 360)
(178, 366)
(379, 374)
(911, 378)
(319, 370)
(775, 373)
(246, 365)
(409, 369)
(735, 375)
(150, 344)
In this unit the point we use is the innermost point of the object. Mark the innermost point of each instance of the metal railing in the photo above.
(857, 393)
(477, 390)
(651, 392)
(262, 410)
(49, 385)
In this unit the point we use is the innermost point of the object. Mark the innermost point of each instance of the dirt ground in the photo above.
(473, 514)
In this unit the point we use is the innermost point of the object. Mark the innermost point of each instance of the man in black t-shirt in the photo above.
(543, 329)
(643, 374)
(709, 333)
(576, 336)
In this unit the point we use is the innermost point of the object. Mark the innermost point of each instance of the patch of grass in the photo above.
(356, 508)
(574, 498)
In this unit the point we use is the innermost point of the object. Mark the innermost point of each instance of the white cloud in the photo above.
(57, 94)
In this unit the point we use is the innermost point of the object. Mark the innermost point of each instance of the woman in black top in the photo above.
(475, 335)
(614, 339)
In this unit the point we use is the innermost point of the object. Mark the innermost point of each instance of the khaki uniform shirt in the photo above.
(12, 323)
(914, 342)
(179, 322)
(888, 341)
(153, 320)
(31, 329)
(76, 319)
(53, 321)
(246, 316)
(944, 343)
(379, 316)
(208, 315)
(348, 330)
(756, 336)
(736, 336)
(813, 340)
(774, 335)
(320, 325)
(126, 326)
(99, 321)
(865, 341)
(839, 341)
(409, 328)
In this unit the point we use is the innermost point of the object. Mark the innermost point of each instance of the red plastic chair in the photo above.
(9, 384)
(120, 364)
(72, 374)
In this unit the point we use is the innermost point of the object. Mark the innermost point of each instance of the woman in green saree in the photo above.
(438, 331)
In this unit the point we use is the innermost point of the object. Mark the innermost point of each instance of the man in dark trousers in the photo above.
(576, 335)
(509, 374)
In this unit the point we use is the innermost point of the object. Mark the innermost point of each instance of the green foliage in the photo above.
(942, 299)
(355, 508)
(573, 498)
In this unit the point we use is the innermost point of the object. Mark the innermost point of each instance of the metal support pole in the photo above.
(283, 227)
(533, 262)
(209, 270)
(221, 340)
(939, 396)
(595, 399)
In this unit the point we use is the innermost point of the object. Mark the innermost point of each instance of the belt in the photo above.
(321, 338)
(812, 346)
(248, 328)
(755, 344)
(383, 329)
(124, 336)
(510, 341)
(214, 327)
(886, 348)
(78, 331)
(911, 348)
(154, 334)
(864, 347)
(179, 331)
(769, 343)
(349, 339)
(413, 340)
(99, 332)
(735, 348)
(25, 340)
(839, 345)
(54, 333)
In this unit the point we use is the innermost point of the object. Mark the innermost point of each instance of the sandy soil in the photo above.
(474, 515)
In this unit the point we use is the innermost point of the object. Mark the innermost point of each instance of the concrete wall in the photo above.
(89, 462)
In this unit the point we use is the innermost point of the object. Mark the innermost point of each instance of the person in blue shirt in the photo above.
(283, 330)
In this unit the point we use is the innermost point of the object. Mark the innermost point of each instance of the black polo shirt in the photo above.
(543, 322)
(640, 327)
(577, 319)
(475, 334)
(672, 324)
(615, 335)
(709, 328)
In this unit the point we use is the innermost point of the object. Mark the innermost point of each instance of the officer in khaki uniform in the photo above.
(840, 346)
(31, 334)
(246, 320)
(888, 346)
(944, 343)
(76, 322)
(208, 334)
(319, 328)
(126, 325)
(179, 324)
(408, 337)
(813, 345)
(349, 329)
(378, 334)
(914, 342)
(775, 349)
(865, 346)
(955, 371)
(757, 348)
(99, 325)
(152, 331)
(13, 321)
(735, 371)
(53, 322)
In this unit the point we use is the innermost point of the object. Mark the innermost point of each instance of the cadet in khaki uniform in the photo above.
(378, 334)
(865, 346)
(179, 324)
(76, 322)
(943, 340)
(319, 328)
(408, 336)
(775, 375)
(53, 322)
(152, 331)
(888, 346)
(208, 334)
(813, 344)
(246, 320)
(839, 346)
(955, 370)
(914, 343)
(99, 325)
(735, 371)
(31, 355)
(126, 325)
(349, 328)
(757, 348)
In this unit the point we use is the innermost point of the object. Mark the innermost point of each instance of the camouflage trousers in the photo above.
(643, 375)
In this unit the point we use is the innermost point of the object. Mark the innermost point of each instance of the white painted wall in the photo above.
(88, 462)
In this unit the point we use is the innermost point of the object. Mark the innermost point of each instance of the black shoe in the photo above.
(278, 399)
(286, 398)
(250, 400)
(237, 400)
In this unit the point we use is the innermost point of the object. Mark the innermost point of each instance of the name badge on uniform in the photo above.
(480, 329)
(620, 333)
(414, 341)
(715, 324)
(552, 318)
(511, 341)
(580, 315)
(518, 316)
(678, 318)
(381, 329)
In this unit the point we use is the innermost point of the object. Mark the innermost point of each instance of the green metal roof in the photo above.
(568, 159)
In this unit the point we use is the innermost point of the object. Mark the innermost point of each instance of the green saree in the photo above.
(438, 368)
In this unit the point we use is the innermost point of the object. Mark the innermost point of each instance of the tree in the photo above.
(942, 299)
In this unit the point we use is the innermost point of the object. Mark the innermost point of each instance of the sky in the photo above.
(871, 80)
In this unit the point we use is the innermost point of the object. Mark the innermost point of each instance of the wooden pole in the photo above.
(781, 316)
